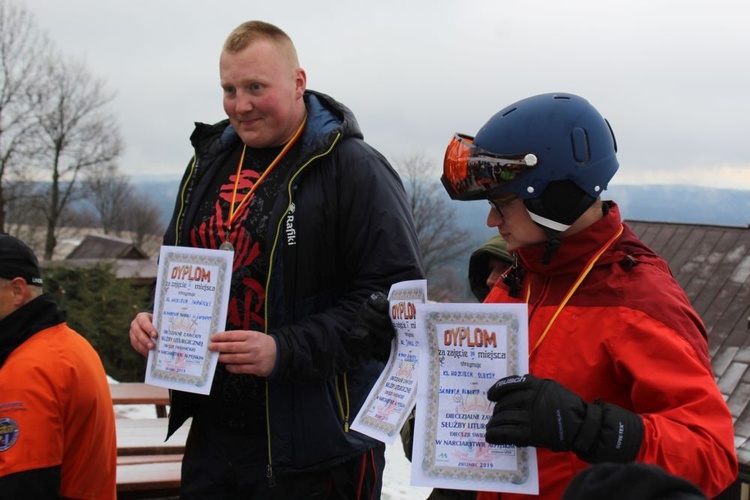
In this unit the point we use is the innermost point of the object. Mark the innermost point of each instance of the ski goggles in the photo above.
(470, 173)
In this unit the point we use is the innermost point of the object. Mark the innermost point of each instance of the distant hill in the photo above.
(685, 204)
(680, 204)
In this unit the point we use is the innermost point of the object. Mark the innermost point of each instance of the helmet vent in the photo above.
(509, 111)
(580, 141)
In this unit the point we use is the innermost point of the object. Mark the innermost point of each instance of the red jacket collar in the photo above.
(576, 250)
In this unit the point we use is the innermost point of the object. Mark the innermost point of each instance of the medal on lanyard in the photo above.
(234, 211)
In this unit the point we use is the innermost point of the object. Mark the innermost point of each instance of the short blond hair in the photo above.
(253, 31)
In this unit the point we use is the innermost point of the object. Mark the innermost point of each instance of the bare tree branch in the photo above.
(57, 136)
(23, 50)
(76, 133)
(143, 218)
(110, 193)
(441, 240)
(120, 206)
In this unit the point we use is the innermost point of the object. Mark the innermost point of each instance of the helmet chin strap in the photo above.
(562, 200)
(552, 229)
(548, 223)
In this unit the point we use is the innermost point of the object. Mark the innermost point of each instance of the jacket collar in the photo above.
(325, 115)
(21, 324)
(576, 250)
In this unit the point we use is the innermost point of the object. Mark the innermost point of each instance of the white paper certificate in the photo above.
(190, 305)
(394, 394)
(465, 349)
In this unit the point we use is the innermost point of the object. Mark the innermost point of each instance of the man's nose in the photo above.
(494, 219)
(244, 103)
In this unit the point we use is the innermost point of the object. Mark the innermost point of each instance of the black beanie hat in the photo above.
(633, 481)
(17, 260)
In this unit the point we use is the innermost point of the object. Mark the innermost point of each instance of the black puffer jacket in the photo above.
(340, 229)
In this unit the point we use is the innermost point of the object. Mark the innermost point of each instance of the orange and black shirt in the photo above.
(57, 429)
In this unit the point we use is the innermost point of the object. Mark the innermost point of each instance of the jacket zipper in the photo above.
(269, 469)
(178, 225)
(181, 213)
(344, 409)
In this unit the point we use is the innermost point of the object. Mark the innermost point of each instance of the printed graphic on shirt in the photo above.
(239, 400)
(247, 234)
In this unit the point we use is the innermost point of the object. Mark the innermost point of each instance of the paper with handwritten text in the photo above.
(190, 305)
(394, 394)
(465, 348)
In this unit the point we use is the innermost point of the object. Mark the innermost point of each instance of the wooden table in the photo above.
(149, 480)
(146, 436)
(135, 393)
(147, 465)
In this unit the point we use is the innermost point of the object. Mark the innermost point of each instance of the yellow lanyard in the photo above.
(574, 287)
(234, 211)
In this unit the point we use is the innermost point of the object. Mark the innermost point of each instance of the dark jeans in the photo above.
(225, 466)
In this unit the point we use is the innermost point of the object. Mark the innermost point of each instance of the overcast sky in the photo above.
(672, 77)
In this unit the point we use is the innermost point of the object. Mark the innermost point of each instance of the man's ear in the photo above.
(300, 81)
(20, 288)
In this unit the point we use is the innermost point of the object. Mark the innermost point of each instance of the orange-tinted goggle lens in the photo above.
(470, 173)
(456, 162)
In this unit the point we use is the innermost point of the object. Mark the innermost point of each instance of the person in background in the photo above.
(487, 264)
(318, 221)
(619, 369)
(57, 423)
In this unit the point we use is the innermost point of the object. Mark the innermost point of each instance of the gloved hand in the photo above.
(372, 330)
(543, 413)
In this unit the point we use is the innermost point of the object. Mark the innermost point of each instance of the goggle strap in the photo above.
(543, 221)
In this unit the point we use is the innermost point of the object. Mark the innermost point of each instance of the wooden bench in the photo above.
(149, 480)
(147, 466)
(136, 393)
(147, 459)
(147, 436)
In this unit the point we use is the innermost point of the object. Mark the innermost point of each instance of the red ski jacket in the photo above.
(627, 335)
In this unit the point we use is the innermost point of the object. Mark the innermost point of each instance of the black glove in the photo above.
(540, 412)
(372, 330)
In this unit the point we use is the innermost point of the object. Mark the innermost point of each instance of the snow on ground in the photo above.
(397, 476)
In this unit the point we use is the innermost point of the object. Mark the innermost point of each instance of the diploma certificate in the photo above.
(394, 394)
(465, 348)
(190, 305)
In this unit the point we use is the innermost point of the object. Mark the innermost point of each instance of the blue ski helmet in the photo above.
(555, 151)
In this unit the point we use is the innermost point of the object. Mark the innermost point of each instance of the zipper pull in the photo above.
(269, 476)
(346, 425)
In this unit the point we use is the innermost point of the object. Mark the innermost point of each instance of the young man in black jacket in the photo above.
(318, 221)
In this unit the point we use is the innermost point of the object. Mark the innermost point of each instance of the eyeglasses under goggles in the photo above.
(470, 172)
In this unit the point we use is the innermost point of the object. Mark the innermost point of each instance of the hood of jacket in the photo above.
(325, 116)
(576, 250)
